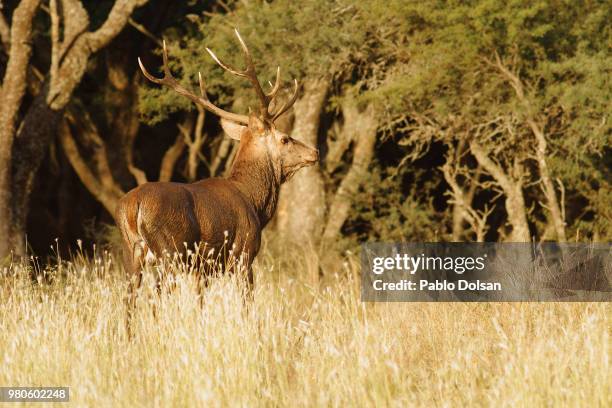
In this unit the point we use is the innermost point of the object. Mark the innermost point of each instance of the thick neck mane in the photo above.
(258, 179)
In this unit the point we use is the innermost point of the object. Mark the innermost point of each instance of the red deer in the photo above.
(158, 217)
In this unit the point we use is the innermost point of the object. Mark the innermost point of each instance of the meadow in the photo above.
(300, 342)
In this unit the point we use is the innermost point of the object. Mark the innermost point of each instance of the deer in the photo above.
(159, 217)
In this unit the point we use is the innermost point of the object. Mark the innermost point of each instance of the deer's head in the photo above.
(256, 132)
(262, 140)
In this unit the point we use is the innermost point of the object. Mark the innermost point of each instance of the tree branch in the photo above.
(494, 169)
(107, 197)
(138, 174)
(78, 45)
(221, 154)
(554, 207)
(117, 19)
(337, 148)
(5, 31)
(170, 158)
(363, 125)
(75, 22)
(462, 200)
(143, 30)
(194, 144)
(55, 40)
(513, 190)
(90, 133)
(14, 82)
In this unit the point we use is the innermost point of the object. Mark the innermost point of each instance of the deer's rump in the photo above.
(158, 217)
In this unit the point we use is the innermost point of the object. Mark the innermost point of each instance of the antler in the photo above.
(249, 72)
(289, 103)
(171, 82)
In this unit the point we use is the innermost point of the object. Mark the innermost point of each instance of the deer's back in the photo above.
(166, 215)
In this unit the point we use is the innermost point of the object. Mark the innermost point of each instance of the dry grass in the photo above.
(293, 345)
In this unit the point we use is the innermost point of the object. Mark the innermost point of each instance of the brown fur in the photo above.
(158, 217)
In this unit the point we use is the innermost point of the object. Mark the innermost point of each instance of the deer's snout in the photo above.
(304, 155)
(314, 156)
(311, 156)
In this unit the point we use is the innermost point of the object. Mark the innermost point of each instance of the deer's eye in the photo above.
(284, 140)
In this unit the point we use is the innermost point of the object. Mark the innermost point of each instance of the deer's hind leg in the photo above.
(133, 262)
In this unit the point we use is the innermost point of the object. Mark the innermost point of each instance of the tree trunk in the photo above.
(301, 208)
(513, 190)
(69, 56)
(555, 213)
(461, 200)
(517, 214)
(361, 127)
(458, 217)
(31, 143)
(108, 197)
(11, 94)
(166, 169)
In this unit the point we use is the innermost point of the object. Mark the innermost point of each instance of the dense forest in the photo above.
(477, 120)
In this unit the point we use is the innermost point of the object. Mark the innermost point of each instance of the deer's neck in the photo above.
(259, 180)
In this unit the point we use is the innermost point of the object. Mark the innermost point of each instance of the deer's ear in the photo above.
(256, 125)
(232, 129)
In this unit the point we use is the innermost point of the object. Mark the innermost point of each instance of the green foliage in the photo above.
(429, 67)
(559, 50)
(306, 39)
(384, 212)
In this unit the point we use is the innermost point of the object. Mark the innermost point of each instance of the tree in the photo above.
(22, 151)
(435, 121)
(498, 79)
(12, 92)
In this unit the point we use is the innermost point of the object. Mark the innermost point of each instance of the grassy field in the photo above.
(296, 344)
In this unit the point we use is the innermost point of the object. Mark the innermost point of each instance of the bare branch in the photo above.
(494, 169)
(117, 19)
(221, 154)
(55, 40)
(170, 157)
(185, 128)
(194, 143)
(78, 44)
(15, 77)
(364, 123)
(463, 201)
(91, 135)
(512, 185)
(75, 21)
(5, 31)
(108, 197)
(143, 30)
(337, 147)
(139, 175)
